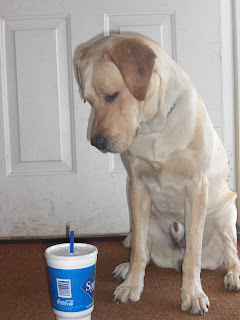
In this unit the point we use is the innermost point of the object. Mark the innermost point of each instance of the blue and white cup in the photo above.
(72, 280)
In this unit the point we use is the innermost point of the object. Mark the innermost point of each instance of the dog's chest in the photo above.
(164, 176)
(165, 185)
(167, 191)
(162, 168)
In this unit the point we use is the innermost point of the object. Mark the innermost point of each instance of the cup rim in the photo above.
(49, 255)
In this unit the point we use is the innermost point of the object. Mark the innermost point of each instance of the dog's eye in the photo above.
(110, 98)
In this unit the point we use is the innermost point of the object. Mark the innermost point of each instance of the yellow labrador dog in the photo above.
(148, 109)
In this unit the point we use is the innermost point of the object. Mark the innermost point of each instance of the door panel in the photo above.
(51, 177)
(37, 95)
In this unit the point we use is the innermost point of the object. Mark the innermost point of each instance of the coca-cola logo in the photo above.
(66, 303)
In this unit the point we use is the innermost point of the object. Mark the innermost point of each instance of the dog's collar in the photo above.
(173, 106)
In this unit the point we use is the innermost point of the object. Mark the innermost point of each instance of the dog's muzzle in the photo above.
(100, 141)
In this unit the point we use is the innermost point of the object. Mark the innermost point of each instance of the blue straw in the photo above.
(71, 241)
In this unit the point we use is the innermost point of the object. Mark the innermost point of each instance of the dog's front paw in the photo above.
(231, 280)
(125, 293)
(195, 301)
(121, 271)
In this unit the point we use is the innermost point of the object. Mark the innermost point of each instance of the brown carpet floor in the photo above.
(24, 293)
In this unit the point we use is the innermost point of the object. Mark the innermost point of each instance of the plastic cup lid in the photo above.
(62, 251)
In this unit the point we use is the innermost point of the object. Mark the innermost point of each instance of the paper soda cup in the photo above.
(72, 280)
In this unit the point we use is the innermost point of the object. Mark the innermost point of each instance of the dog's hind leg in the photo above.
(121, 271)
(228, 235)
(231, 279)
(164, 250)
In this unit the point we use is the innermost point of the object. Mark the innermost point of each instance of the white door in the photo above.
(50, 175)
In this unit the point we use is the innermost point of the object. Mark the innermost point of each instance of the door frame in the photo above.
(236, 13)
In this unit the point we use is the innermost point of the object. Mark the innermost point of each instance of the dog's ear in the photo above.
(80, 55)
(135, 61)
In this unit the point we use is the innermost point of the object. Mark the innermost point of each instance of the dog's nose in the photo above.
(99, 141)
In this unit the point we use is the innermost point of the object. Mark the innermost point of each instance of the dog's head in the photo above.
(114, 75)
